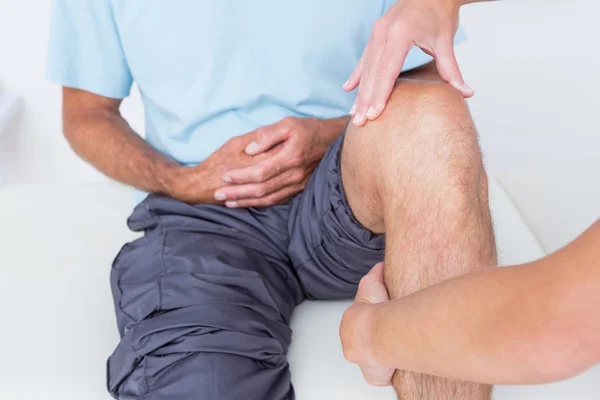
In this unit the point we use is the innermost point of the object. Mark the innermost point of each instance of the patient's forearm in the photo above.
(98, 133)
(527, 324)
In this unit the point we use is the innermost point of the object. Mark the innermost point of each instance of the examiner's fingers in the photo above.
(371, 72)
(391, 66)
(354, 79)
(378, 376)
(371, 288)
(448, 68)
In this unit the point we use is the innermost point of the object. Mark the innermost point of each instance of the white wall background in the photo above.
(533, 63)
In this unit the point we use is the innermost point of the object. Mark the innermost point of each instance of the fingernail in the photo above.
(371, 112)
(456, 85)
(462, 87)
(346, 83)
(227, 179)
(353, 109)
(252, 148)
(231, 204)
(220, 196)
(468, 89)
(358, 118)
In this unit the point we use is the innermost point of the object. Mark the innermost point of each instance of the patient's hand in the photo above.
(197, 185)
(356, 330)
(275, 177)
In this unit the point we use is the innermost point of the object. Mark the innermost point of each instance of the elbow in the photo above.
(77, 122)
(562, 340)
(68, 132)
(71, 124)
(562, 356)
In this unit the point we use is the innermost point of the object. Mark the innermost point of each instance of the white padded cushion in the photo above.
(559, 201)
(57, 245)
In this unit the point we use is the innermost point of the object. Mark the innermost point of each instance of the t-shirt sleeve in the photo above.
(85, 50)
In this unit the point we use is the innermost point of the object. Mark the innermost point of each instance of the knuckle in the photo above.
(368, 66)
(286, 123)
(260, 175)
(362, 281)
(293, 131)
(378, 71)
(297, 160)
(271, 201)
(397, 29)
(234, 140)
(298, 176)
(260, 132)
(378, 27)
(381, 72)
(260, 191)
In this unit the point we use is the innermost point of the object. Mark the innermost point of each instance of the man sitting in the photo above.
(260, 195)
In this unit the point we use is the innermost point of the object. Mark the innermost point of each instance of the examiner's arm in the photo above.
(532, 323)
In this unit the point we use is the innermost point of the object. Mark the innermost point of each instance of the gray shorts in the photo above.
(204, 298)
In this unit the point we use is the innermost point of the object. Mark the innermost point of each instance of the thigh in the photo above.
(329, 248)
(203, 302)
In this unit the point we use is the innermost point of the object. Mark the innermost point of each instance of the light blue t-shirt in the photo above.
(209, 70)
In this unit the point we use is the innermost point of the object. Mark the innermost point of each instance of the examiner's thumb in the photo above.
(371, 288)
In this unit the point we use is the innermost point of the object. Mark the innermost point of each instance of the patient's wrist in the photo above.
(169, 178)
(333, 128)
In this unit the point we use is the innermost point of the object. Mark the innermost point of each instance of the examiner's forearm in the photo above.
(101, 136)
(526, 324)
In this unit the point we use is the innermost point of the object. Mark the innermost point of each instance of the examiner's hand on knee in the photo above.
(427, 24)
(356, 328)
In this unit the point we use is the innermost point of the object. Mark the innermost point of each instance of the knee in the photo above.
(428, 139)
(431, 118)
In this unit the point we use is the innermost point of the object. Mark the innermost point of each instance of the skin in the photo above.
(288, 153)
(271, 164)
(416, 174)
(427, 24)
(527, 324)
(303, 143)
